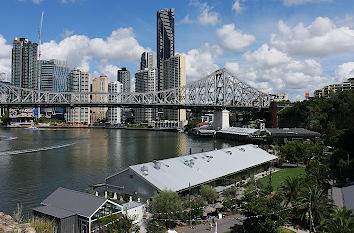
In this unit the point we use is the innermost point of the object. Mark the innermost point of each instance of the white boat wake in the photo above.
(16, 152)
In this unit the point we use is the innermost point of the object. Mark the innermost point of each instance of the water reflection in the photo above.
(97, 153)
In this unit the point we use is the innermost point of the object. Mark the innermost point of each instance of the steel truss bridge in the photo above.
(219, 90)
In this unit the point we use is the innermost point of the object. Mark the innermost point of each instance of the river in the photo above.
(38, 161)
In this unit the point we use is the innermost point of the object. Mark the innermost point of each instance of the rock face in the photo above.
(9, 225)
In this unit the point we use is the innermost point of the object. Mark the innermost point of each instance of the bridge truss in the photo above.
(219, 90)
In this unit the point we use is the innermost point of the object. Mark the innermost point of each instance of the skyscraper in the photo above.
(148, 60)
(78, 81)
(54, 75)
(114, 114)
(165, 40)
(24, 64)
(99, 84)
(123, 76)
(146, 81)
(174, 73)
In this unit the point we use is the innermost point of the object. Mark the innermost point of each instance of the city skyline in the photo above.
(274, 46)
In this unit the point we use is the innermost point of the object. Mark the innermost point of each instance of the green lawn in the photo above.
(279, 177)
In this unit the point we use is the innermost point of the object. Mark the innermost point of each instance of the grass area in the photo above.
(279, 177)
(285, 230)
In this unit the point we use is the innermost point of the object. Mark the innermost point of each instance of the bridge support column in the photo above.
(221, 119)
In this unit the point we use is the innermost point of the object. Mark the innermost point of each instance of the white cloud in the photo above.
(273, 71)
(201, 62)
(299, 2)
(233, 67)
(321, 38)
(234, 39)
(237, 7)
(206, 14)
(345, 71)
(37, 1)
(5, 57)
(78, 50)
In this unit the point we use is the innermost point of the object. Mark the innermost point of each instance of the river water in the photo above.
(39, 161)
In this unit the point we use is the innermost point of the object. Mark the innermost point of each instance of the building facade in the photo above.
(327, 90)
(174, 72)
(123, 76)
(54, 75)
(78, 81)
(24, 64)
(99, 84)
(165, 40)
(114, 114)
(3, 77)
(148, 60)
(146, 81)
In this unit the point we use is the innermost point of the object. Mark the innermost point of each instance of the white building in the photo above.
(134, 210)
(146, 81)
(78, 81)
(99, 84)
(114, 113)
(182, 173)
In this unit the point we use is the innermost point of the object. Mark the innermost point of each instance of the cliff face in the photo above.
(9, 225)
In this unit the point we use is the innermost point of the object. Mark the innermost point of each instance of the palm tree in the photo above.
(339, 222)
(291, 188)
(314, 199)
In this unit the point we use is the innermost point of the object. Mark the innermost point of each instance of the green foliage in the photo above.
(315, 198)
(156, 227)
(341, 161)
(291, 189)
(262, 207)
(194, 202)
(208, 193)
(165, 202)
(316, 174)
(6, 118)
(298, 151)
(122, 226)
(340, 221)
(192, 123)
(324, 115)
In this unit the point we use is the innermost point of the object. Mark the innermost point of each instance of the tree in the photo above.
(156, 227)
(6, 118)
(317, 173)
(260, 213)
(293, 151)
(291, 188)
(168, 203)
(209, 193)
(314, 199)
(339, 222)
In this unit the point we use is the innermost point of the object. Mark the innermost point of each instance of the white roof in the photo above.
(238, 130)
(176, 173)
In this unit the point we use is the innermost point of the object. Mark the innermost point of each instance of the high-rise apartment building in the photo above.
(24, 64)
(54, 75)
(148, 60)
(165, 40)
(78, 81)
(123, 76)
(333, 88)
(174, 73)
(114, 114)
(99, 84)
(146, 81)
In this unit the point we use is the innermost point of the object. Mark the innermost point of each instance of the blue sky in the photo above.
(290, 46)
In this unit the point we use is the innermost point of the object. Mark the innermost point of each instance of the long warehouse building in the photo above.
(179, 174)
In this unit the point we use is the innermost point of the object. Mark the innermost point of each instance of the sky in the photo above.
(276, 46)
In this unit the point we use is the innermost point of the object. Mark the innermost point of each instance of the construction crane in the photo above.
(39, 51)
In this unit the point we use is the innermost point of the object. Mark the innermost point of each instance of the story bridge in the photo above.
(217, 91)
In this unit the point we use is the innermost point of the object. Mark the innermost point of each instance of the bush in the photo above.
(43, 226)
(208, 193)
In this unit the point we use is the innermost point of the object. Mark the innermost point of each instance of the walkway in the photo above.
(228, 224)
